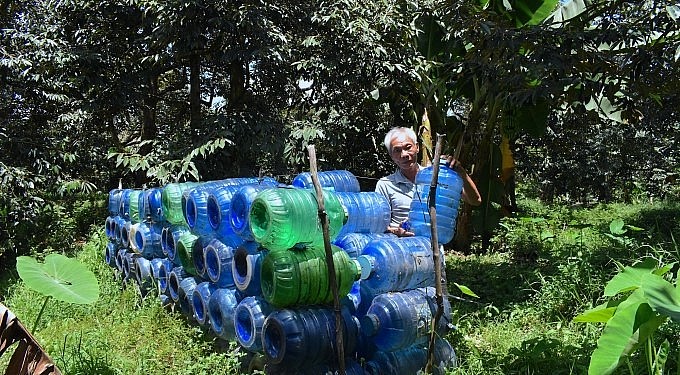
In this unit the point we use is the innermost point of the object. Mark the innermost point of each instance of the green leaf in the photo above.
(533, 12)
(630, 278)
(661, 358)
(431, 38)
(616, 227)
(63, 278)
(664, 270)
(620, 336)
(598, 314)
(465, 290)
(663, 297)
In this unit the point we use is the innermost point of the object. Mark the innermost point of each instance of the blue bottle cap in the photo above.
(366, 263)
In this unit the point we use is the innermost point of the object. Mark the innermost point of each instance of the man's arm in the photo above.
(471, 195)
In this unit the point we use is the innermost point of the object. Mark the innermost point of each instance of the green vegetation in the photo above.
(120, 333)
(548, 265)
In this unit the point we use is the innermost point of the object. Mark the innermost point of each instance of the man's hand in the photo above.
(456, 166)
(400, 232)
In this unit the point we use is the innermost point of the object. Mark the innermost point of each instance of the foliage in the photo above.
(523, 319)
(97, 93)
(631, 321)
(521, 322)
(60, 277)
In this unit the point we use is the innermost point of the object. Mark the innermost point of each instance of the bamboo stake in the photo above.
(435, 252)
(332, 281)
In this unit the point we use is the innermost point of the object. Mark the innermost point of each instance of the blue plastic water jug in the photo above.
(169, 237)
(174, 278)
(240, 209)
(449, 190)
(305, 337)
(196, 211)
(110, 255)
(185, 292)
(413, 359)
(221, 306)
(114, 201)
(124, 204)
(353, 243)
(246, 266)
(339, 180)
(148, 240)
(199, 301)
(150, 205)
(397, 264)
(218, 263)
(367, 212)
(396, 320)
(249, 318)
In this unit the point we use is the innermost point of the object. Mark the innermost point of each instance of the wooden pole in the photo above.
(431, 201)
(332, 280)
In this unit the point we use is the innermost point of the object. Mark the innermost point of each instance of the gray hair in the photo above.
(394, 132)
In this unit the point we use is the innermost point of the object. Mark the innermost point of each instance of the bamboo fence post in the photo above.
(431, 201)
(332, 280)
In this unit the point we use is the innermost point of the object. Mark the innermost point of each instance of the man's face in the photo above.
(404, 151)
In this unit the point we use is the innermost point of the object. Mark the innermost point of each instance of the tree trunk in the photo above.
(237, 85)
(195, 90)
(149, 128)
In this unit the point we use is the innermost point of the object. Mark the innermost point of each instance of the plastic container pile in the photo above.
(244, 258)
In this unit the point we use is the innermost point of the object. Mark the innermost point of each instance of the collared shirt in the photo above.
(399, 192)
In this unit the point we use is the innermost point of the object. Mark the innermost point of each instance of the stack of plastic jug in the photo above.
(251, 267)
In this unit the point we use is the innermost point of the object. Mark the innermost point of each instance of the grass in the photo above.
(546, 266)
(120, 333)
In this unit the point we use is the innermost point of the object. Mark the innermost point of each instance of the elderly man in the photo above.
(399, 187)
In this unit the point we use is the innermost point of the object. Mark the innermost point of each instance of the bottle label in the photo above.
(424, 268)
(424, 315)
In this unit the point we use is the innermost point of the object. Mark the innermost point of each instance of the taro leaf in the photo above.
(624, 331)
(664, 270)
(63, 278)
(602, 313)
(616, 227)
(663, 297)
(630, 278)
